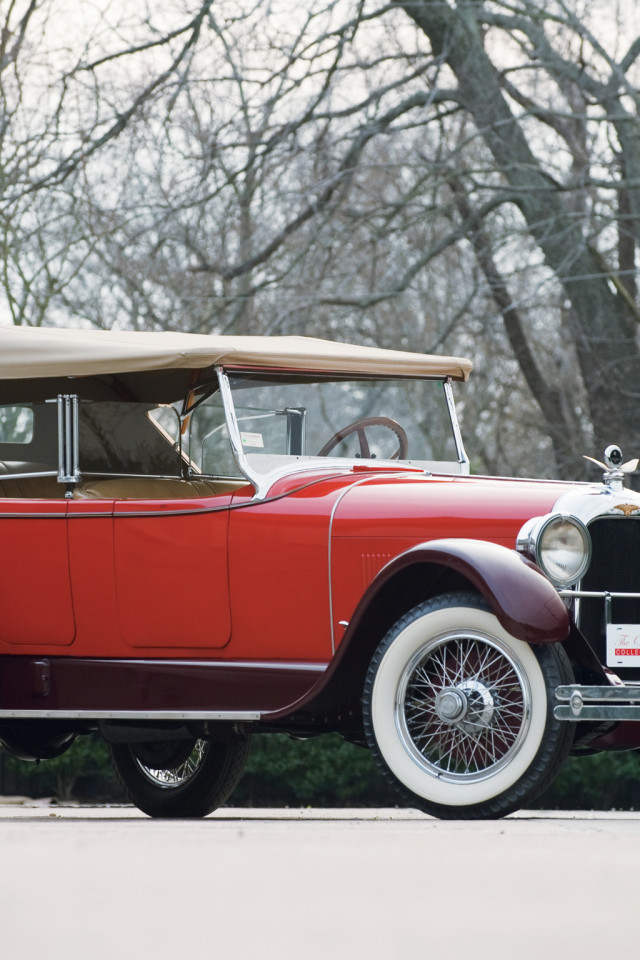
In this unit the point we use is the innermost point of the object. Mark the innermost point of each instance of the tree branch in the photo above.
(342, 176)
(78, 157)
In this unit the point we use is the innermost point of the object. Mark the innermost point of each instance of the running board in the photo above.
(225, 715)
(598, 703)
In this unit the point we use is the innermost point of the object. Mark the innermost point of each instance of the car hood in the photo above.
(429, 507)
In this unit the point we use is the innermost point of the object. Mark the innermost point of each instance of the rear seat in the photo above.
(153, 488)
(36, 488)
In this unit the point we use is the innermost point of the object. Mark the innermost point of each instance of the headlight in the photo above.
(561, 546)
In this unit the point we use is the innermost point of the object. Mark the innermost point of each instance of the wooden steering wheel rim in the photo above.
(359, 427)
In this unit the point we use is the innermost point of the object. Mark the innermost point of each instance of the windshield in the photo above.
(284, 421)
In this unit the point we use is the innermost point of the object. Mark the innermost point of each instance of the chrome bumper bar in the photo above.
(598, 703)
(574, 594)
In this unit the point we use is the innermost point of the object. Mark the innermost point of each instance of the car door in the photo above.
(150, 575)
(172, 584)
(36, 611)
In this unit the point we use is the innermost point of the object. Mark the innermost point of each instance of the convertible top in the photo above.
(54, 352)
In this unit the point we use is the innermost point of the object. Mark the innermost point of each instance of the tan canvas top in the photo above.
(27, 352)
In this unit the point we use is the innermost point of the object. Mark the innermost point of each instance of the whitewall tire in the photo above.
(458, 712)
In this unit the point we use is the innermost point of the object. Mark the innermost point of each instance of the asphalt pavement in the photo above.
(91, 883)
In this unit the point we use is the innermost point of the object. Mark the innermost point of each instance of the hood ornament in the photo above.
(614, 468)
(627, 508)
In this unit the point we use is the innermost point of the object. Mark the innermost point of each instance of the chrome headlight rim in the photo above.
(543, 530)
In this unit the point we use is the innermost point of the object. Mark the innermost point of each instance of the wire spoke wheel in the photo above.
(463, 706)
(458, 712)
(180, 778)
(181, 768)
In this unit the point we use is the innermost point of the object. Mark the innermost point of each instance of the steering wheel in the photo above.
(359, 427)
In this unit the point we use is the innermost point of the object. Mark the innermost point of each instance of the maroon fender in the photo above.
(521, 597)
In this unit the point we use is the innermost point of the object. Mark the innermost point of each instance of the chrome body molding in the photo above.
(315, 667)
(65, 714)
(40, 514)
(598, 702)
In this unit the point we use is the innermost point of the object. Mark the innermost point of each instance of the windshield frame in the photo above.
(262, 482)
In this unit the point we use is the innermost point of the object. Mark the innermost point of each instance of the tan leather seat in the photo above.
(31, 488)
(153, 488)
(36, 488)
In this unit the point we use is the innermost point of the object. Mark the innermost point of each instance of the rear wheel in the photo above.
(180, 778)
(458, 712)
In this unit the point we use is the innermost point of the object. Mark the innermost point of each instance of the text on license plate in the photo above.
(623, 644)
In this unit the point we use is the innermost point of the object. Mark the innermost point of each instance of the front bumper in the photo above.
(578, 702)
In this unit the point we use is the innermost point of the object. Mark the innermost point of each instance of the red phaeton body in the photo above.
(206, 538)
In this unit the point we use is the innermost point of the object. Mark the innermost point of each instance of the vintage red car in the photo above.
(206, 538)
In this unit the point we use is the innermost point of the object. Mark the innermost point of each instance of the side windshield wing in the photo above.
(116, 438)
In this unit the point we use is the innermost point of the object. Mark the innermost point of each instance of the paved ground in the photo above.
(87, 883)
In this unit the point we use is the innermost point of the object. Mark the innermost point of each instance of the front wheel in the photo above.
(458, 712)
(179, 778)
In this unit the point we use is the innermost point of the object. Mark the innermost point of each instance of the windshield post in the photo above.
(295, 430)
(462, 455)
(234, 433)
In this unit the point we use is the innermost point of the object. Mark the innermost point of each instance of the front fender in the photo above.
(520, 596)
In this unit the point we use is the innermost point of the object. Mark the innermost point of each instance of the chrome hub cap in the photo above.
(450, 705)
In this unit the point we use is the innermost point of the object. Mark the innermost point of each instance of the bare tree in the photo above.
(583, 98)
(69, 87)
(456, 175)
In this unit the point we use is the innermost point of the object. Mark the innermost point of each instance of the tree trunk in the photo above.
(600, 327)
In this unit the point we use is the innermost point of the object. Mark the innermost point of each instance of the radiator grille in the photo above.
(615, 565)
